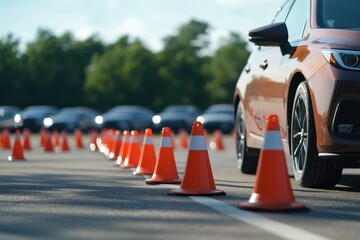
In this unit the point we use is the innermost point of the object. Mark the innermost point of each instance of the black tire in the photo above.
(309, 169)
(247, 157)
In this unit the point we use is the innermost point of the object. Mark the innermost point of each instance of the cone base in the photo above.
(11, 158)
(187, 192)
(293, 206)
(157, 180)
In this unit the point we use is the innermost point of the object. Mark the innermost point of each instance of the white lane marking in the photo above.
(279, 229)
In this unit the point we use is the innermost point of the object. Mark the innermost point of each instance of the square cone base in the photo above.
(294, 206)
(155, 180)
(186, 192)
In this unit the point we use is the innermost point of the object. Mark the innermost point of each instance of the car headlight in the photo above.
(200, 119)
(99, 120)
(346, 59)
(17, 118)
(156, 119)
(48, 122)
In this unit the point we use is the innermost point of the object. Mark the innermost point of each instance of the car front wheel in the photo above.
(247, 157)
(309, 169)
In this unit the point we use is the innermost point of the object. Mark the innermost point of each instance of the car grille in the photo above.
(347, 118)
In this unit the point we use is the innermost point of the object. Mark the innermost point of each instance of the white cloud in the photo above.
(132, 26)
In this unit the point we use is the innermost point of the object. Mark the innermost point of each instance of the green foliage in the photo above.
(63, 71)
(225, 68)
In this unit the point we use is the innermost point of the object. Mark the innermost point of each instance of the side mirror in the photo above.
(270, 35)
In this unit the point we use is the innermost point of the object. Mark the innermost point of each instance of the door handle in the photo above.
(264, 64)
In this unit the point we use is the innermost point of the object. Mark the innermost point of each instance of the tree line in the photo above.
(63, 71)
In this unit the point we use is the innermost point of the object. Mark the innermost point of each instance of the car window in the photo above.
(283, 11)
(296, 20)
(338, 14)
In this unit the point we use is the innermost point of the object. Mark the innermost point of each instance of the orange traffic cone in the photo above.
(42, 138)
(114, 153)
(47, 143)
(272, 189)
(165, 167)
(64, 145)
(217, 143)
(132, 158)
(147, 159)
(6, 143)
(78, 138)
(17, 151)
(124, 147)
(56, 137)
(26, 142)
(198, 178)
(184, 142)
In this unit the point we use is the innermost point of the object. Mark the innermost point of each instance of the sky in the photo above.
(149, 20)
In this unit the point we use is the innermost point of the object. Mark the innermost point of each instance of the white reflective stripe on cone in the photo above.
(148, 140)
(197, 143)
(272, 141)
(166, 142)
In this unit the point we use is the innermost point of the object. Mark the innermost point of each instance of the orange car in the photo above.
(306, 70)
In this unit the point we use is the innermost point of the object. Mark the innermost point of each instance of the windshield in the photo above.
(338, 14)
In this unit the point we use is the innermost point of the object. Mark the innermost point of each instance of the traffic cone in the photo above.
(56, 137)
(26, 142)
(47, 143)
(272, 189)
(17, 151)
(198, 178)
(132, 158)
(78, 138)
(42, 137)
(64, 145)
(124, 147)
(184, 142)
(217, 143)
(165, 167)
(147, 159)
(6, 143)
(114, 153)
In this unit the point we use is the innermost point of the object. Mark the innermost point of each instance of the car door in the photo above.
(277, 67)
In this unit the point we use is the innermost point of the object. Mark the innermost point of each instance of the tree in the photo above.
(124, 74)
(10, 71)
(225, 68)
(181, 65)
(55, 68)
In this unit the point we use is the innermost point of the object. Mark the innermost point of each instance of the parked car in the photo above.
(126, 117)
(218, 117)
(32, 117)
(176, 117)
(71, 118)
(7, 113)
(306, 70)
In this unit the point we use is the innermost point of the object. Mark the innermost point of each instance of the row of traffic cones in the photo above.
(45, 141)
(197, 179)
(272, 191)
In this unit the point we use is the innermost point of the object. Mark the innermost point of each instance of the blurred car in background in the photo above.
(126, 117)
(32, 117)
(7, 114)
(218, 117)
(71, 118)
(176, 117)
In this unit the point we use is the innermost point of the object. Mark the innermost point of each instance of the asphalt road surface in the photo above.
(82, 195)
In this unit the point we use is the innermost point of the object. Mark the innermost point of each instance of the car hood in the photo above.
(176, 116)
(345, 38)
(217, 117)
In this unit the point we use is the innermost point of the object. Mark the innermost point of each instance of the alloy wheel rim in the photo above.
(300, 135)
